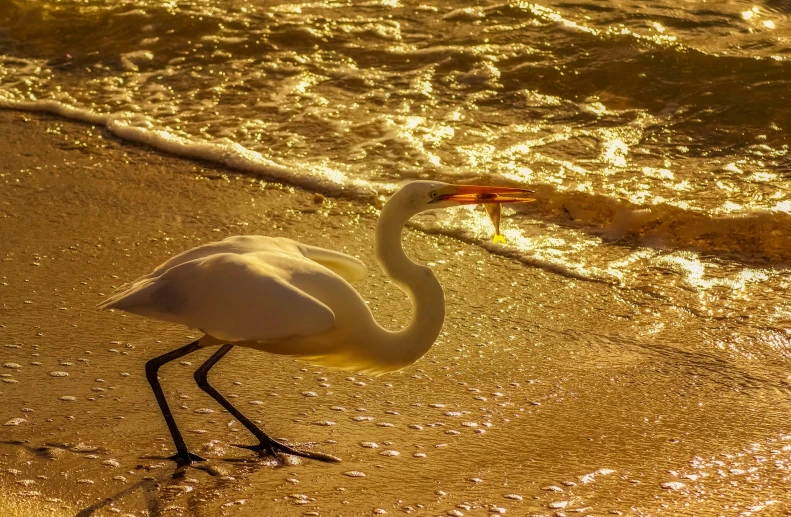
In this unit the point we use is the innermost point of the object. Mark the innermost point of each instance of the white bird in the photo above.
(283, 297)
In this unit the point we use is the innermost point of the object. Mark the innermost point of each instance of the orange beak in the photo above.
(477, 194)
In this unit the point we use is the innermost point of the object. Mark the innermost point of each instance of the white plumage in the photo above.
(244, 289)
(284, 297)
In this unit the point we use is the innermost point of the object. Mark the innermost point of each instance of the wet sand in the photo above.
(544, 395)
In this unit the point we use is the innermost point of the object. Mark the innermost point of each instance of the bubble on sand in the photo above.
(436, 405)
(469, 424)
(390, 452)
(417, 427)
(354, 474)
(324, 423)
(419, 455)
(111, 463)
(337, 408)
(514, 497)
(181, 489)
(26, 482)
(83, 447)
(85, 481)
(309, 394)
(558, 505)
(452, 432)
(9, 381)
(369, 445)
(672, 485)
(13, 366)
(52, 453)
(255, 403)
(15, 421)
(67, 398)
(58, 374)
(385, 424)
(361, 418)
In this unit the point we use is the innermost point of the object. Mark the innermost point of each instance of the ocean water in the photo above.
(655, 134)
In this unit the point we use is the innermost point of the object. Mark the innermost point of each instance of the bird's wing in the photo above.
(233, 297)
(345, 266)
(238, 244)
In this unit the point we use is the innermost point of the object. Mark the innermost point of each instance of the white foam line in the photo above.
(56, 108)
(514, 254)
(130, 127)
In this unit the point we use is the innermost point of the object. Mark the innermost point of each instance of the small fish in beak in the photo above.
(493, 209)
(489, 196)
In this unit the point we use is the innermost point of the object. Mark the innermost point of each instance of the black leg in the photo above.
(266, 443)
(183, 456)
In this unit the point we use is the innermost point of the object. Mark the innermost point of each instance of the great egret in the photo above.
(284, 297)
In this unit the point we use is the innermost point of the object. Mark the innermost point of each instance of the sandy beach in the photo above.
(544, 395)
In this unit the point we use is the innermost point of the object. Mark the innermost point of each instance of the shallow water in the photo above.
(654, 135)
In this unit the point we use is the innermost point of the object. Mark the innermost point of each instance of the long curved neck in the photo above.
(417, 281)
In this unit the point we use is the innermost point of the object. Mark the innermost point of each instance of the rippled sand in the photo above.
(544, 395)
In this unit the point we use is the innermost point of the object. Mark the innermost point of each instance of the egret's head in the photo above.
(417, 196)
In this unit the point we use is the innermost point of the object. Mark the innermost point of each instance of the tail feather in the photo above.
(128, 296)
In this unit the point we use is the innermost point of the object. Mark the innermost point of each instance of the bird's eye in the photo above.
(433, 194)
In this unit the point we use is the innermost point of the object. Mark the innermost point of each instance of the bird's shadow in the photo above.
(149, 491)
(158, 491)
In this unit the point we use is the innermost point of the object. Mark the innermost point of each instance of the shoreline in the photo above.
(757, 237)
(571, 382)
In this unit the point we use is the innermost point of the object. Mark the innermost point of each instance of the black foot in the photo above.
(273, 447)
(185, 459)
